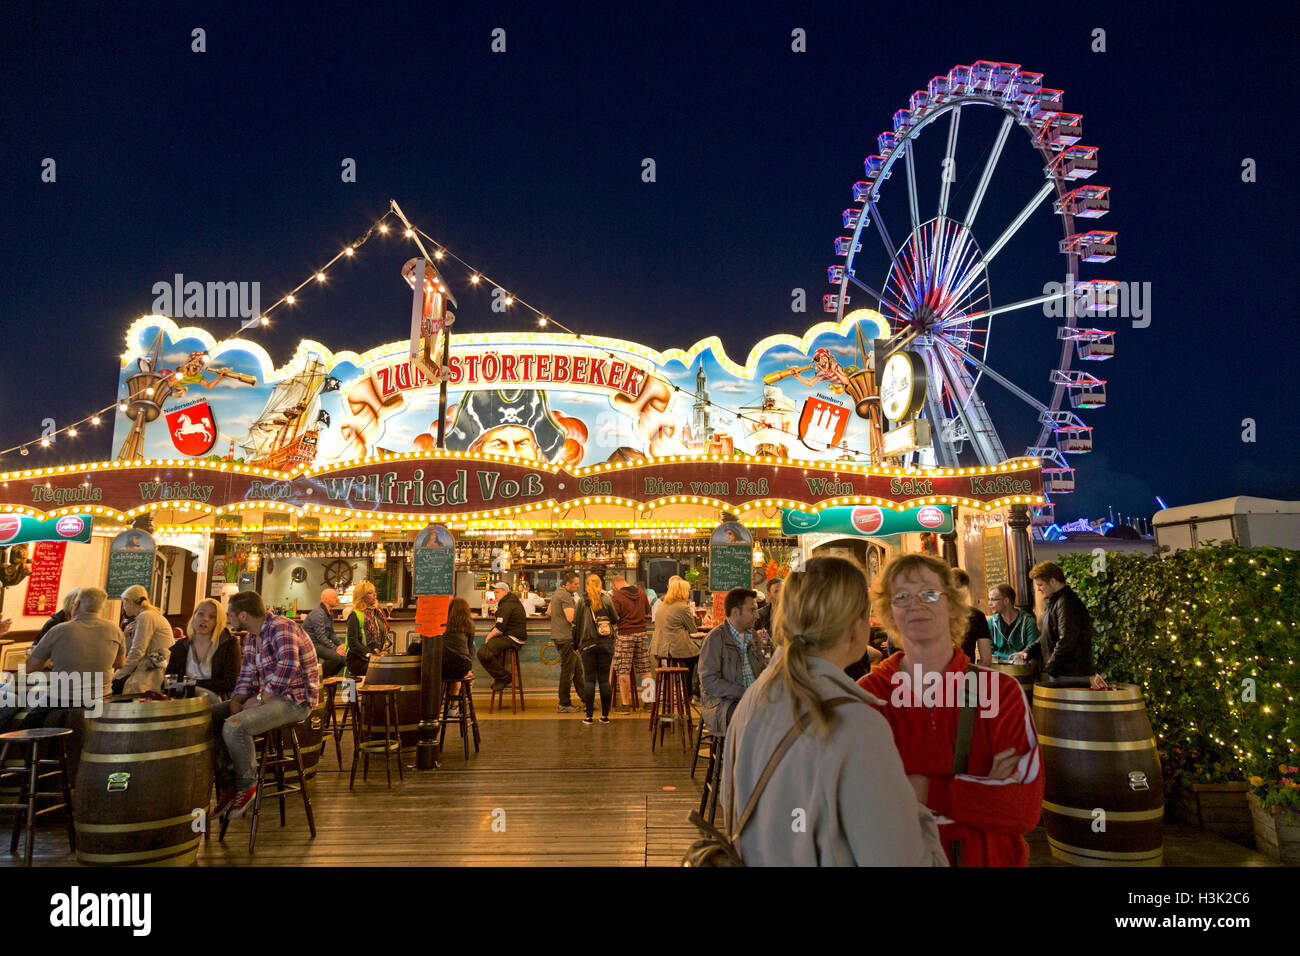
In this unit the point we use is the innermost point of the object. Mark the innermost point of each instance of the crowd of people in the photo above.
(826, 661)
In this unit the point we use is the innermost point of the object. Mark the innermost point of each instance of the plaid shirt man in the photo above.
(746, 671)
(280, 661)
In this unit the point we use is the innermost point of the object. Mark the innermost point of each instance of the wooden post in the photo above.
(431, 620)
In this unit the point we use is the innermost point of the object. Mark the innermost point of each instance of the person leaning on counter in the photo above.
(367, 629)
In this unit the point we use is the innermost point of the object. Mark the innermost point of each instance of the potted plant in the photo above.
(1275, 811)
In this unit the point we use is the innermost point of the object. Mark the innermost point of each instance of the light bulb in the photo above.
(290, 299)
(348, 251)
(320, 277)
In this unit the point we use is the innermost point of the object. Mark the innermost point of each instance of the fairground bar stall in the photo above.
(539, 451)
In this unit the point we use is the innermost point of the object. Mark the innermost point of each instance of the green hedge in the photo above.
(1197, 631)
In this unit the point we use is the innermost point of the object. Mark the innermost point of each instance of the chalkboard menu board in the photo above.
(434, 571)
(127, 569)
(995, 557)
(730, 566)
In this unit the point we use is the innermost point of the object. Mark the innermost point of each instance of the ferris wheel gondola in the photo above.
(936, 293)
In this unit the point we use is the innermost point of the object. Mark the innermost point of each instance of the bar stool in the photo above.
(31, 777)
(275, 758)
(467, 718)
(699, 742)
(516, 686)
(337, 725)
(712, 778)
(384, 695)
(671, 708)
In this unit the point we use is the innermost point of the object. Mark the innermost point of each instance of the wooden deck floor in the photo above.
(546, 790)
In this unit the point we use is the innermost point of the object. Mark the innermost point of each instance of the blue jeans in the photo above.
(237, 760)
(596, 661)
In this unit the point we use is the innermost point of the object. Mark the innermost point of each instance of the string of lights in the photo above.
(318, 276)
(544, 320)
(476, 277)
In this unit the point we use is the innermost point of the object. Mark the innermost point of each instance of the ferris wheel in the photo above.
(935, 289)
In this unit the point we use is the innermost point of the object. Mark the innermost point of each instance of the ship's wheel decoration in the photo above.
(934, 287)
(338, 575)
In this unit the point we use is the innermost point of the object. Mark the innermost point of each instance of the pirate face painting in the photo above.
(515, 422)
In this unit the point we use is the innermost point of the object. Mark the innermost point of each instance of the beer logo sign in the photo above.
(70, 526)
(193, 429)
(10, 525)
(867, 519)
(929, 517)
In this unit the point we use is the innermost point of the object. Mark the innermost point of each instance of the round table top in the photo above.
(377, 688)
(36, 733)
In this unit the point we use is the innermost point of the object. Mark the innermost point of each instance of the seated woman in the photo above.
(208, 652)
(367, 629)
(674, 627)
(457, 646)
(842, 770)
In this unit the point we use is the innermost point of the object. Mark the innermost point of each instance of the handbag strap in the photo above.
(961, 753)
(965, 729)
(782, 749)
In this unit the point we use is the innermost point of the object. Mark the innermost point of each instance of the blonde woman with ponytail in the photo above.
(838, 797)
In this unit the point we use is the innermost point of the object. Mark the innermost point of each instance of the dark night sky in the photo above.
(225, 166)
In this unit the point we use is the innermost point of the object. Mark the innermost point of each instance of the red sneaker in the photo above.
(243, 803)
(224, 799)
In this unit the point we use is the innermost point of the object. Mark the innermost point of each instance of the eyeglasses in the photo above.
(930, 596)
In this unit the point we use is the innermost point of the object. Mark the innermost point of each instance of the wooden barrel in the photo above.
(146, 766)
(404, 671)
(1025, 675)
(1099, 755)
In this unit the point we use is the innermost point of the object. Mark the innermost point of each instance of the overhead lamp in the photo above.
(759, 557)
(254, 560)
(380, 558)
(630, 557)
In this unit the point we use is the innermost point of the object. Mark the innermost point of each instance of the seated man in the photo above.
(319, 626)
(730, 660)
(278, 685)
(511, 630)
(82, 654)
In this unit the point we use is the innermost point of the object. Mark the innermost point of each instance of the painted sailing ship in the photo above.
(286, 433)
(768, 423)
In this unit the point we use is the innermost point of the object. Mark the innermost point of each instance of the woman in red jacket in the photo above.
(984, 812)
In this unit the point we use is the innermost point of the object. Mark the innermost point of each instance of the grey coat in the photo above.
(720, 686)
(842, 800)
(673, 629)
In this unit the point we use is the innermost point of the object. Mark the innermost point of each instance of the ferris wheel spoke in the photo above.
(946, 174)
(1011, 230)
(884, 233)
(944, 453)
(880, 299)
(913, 210)
(989, 166)
(1001, 379)
(970, 408)
(1009, 307)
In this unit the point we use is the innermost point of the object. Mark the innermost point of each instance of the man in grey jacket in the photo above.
(730, 660)
(319, 626)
